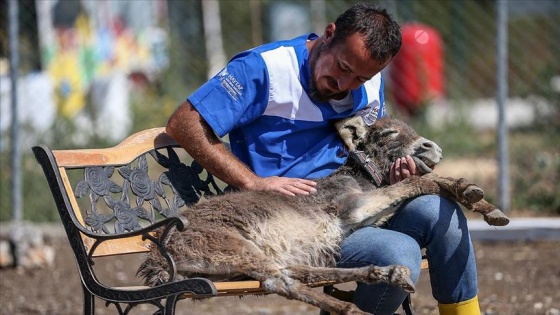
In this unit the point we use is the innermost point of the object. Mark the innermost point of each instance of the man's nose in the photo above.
(344, 83)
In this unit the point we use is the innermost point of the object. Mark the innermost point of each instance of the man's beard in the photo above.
(314, 93)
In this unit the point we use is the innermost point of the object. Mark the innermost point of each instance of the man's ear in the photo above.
(352, 130)
(329, 32)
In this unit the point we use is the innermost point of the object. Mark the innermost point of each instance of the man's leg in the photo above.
(381, 247)
(432, 222)
(440, 226)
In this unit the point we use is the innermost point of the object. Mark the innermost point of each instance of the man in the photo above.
(277, 102)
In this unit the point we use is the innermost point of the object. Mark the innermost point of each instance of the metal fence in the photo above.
(93, 71)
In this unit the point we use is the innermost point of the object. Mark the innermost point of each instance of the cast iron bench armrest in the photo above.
(180, 223)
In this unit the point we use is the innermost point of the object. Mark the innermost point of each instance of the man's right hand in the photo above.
(285, 185)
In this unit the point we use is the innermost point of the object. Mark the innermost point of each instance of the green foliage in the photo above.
(457, 138)
(535, 150)
(38, 203)
(5, 182)
(151, 109)
(547, 103)
(535, 172)
(534, 155)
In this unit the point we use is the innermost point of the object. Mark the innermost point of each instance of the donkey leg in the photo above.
(366, 208)
(274, 281)
(250, 261)
(459, 188)
(471, 196)
(293, 289)
(393, 275)
(491, 214)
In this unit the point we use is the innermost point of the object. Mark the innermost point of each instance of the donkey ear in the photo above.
(352, 130)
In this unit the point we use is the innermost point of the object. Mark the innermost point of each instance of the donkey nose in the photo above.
(428, 145)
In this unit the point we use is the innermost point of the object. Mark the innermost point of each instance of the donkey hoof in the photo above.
(496, 218)
(400, 276)
(473, 194)
(409, 286)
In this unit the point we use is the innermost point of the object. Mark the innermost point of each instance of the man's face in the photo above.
(338, 69)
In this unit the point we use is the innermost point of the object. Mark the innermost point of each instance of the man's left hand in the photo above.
(402, 168)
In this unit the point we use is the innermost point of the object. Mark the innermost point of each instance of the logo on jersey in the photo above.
(369, 113)
(230, 84)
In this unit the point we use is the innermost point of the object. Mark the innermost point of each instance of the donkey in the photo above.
(354, 131)
(286, 242)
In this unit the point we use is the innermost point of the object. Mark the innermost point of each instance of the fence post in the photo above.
(213, 37)
(502, 93)
(14, 128)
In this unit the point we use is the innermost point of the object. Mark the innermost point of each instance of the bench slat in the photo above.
(123, 153)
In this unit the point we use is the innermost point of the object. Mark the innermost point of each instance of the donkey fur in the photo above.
(287, 242)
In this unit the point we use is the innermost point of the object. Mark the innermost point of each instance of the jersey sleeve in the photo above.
(235, 96)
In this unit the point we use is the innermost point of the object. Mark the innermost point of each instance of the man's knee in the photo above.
(431, 209)
(362, 248)
(432, 217)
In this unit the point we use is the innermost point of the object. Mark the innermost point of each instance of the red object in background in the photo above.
(416, 72)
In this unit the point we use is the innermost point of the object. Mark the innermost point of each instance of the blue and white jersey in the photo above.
(261, 100)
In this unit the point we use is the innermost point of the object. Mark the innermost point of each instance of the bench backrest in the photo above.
(104, 194)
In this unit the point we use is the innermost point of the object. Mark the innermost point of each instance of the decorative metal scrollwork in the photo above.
(184, 183)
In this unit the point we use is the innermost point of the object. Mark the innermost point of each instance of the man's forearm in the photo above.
(198, 139)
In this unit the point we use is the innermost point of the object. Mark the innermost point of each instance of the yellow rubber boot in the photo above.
(468, 307)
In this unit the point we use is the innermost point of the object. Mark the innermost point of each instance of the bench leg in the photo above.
(89, 302)
(170, 304)
(328, 289)
(407, 305)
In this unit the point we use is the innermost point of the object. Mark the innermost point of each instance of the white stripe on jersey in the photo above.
(373, 87)
(295, 105)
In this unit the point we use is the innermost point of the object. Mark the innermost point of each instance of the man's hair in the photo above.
(380, 32)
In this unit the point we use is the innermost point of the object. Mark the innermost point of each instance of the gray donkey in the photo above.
(286, 242)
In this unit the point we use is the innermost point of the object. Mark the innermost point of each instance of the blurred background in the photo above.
(92, 72)
(479, 77)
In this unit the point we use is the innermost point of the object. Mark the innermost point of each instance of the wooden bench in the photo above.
(110, 201)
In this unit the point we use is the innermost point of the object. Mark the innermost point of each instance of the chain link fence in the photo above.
(92, 72)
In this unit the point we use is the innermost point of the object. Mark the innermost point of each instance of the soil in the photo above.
(514, 278)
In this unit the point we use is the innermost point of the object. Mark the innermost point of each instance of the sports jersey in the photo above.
(261, 100)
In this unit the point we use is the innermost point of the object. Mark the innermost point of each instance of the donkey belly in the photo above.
(296, 237)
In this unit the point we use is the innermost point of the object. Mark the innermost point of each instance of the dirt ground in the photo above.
(515, 278)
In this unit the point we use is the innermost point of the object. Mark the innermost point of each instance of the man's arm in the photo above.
(199, 140)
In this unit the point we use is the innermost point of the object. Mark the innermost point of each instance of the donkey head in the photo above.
(389, 139)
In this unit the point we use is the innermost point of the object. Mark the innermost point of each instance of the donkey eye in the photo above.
(389, 133)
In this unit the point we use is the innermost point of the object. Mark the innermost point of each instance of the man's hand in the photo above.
(402, 168)
(285, 185)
